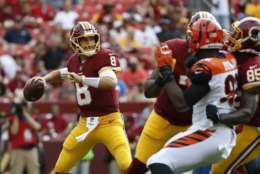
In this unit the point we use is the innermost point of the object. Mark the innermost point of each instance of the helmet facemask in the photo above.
(84, 39)
(87, 50)
(234, 38)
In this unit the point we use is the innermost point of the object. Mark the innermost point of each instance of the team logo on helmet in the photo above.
(245, 36)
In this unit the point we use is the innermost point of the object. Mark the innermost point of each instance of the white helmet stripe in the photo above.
(83, 26)
(88, 25)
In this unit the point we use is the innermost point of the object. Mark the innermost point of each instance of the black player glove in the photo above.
(165, 73)
(212, 113)
(159, 81)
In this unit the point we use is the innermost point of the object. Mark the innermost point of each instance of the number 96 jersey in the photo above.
(222, 84)
(249, 74)
(93, 101)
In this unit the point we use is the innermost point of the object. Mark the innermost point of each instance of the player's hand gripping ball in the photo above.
(34, 89)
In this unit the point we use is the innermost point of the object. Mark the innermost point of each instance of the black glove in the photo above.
(166, 73)
(212, 113)
(159, 81)
(191, 60)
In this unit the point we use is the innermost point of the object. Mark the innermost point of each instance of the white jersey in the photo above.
(204, 143)
(223, 87)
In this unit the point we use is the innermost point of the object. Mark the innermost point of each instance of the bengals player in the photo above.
(244, 42)
(213, 81)
(168, 117)
(93, 71)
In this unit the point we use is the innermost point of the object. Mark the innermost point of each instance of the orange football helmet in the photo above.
(201, 15)
(83, 30)
(204, 34)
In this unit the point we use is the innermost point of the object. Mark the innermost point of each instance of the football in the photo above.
(34, 89)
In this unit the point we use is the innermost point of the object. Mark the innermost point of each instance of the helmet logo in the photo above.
(246, 36)
(254, 33)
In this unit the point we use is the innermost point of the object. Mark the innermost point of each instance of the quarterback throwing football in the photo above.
(93, 71)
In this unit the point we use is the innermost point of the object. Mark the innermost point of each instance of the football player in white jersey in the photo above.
(213, 78)
(165, 120)
(244, 43)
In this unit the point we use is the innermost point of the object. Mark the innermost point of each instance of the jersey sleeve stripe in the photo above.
(200, 67)
(215, 65)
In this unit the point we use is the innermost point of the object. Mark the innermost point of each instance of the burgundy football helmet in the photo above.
(83, 30)
(245, 36)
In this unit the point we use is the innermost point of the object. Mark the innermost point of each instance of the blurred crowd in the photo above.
(34, 39)
(34, 36)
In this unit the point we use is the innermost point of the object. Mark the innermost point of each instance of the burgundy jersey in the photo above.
(163, 105)
(93, 101)
(249, 74)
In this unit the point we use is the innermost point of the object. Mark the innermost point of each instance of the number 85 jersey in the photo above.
(249, 81)
(249, 71)
(93, 101)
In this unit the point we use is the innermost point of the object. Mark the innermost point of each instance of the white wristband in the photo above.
(108, 73)
(64, 73)
(91, 81)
